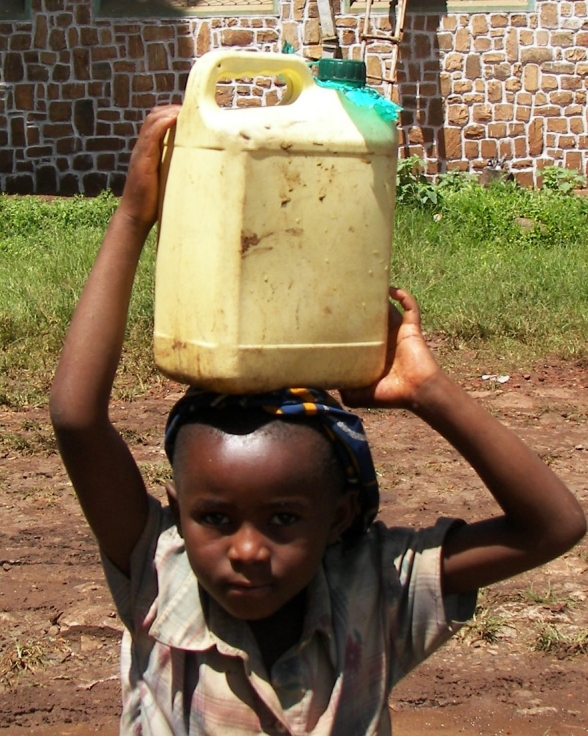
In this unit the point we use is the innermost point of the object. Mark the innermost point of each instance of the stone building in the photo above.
(477, 80)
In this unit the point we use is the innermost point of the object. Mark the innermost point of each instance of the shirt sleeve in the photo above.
(134, 595)
(420, 617)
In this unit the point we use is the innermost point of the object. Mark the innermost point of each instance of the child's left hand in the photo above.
(409, 361)
(541, 518)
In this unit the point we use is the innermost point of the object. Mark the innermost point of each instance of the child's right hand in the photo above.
(410, 365)
(140, 198)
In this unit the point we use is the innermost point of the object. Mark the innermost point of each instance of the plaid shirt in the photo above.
(373, 613)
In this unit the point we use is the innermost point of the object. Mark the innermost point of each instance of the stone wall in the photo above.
(499, 85)
(74, 89)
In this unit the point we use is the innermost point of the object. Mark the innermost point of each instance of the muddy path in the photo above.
(520, 668)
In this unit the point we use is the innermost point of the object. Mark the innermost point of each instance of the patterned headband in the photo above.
(343, 428)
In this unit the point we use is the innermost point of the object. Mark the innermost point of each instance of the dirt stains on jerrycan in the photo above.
(275, 235)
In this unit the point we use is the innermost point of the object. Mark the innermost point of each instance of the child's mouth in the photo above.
(249, 589)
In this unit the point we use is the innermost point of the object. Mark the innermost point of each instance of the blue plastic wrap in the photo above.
(366, 97)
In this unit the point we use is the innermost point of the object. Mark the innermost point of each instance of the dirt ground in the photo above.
(520, 668)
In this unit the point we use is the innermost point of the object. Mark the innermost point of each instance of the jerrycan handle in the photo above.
(227, 64)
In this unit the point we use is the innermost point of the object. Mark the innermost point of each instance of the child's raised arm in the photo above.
(102, 470)
(541, 520)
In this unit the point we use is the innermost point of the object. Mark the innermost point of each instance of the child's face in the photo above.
(256, 514)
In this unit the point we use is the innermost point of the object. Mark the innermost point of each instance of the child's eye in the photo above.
(214, 519)
(284, 519)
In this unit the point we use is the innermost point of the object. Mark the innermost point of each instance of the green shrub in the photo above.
(562, 180)
(412, 186)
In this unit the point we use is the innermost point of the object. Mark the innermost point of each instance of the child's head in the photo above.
(263, 486)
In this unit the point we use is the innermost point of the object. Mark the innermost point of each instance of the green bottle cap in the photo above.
(344, 71)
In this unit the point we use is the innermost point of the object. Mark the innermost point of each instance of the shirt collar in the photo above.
(180, 621)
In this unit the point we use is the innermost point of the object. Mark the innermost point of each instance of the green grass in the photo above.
(501, 270)
(46, 252)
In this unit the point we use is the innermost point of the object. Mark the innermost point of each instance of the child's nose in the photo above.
(248, 545)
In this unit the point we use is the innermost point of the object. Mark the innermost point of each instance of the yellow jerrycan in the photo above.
(275, 235)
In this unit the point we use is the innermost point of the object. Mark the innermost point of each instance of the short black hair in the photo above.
(238, 421)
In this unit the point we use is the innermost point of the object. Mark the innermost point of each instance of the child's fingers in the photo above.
(162, 113)
(410, 306)
(159, 120)
(165, 116)
(153, 130)
(394, 316)
(141, 188)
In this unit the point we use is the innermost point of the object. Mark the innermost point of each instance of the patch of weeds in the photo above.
(136, 372)
(564, 181)
(40, 495)
(547, 638)
(412, 186)
(33, 439)
(23, 216)
(133, 437)
(484, 626)
(14, 399)
(552, 640)
(456, 181)
(20, 657)
(156, 474)
(574, 416)
(15, 442)
(549, 458)
(546, 598)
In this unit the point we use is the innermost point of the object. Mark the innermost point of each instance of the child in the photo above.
(265, 599)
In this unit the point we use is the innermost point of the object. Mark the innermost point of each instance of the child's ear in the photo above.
(172, 499)
(346, 511)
